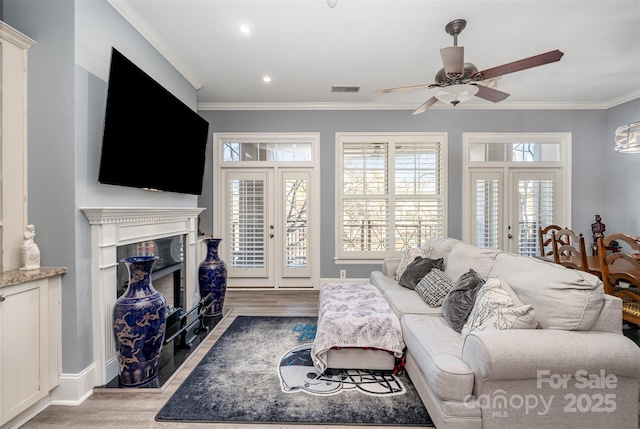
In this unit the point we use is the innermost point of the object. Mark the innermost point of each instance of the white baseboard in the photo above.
(347, 280)
(74, 388)
(22, 418)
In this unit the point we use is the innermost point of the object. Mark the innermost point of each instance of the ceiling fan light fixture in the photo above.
(628, 138)
(456, 94)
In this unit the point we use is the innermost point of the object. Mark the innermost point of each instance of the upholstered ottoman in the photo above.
(356, 329)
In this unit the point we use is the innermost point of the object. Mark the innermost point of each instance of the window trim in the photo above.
(440, 138)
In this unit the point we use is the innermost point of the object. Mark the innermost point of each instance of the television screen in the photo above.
(151, 139)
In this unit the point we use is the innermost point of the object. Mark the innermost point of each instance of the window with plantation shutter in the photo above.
(391, 192)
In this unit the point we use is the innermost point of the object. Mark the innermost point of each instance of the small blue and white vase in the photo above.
(212, 278)
(139, 324)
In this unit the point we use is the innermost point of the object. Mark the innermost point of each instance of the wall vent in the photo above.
(345, 88)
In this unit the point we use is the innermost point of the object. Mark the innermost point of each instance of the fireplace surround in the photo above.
(112, 227)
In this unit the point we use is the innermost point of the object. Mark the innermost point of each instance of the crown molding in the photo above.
(12, 35)
(412, 106)
(128, 12)
(622, 99)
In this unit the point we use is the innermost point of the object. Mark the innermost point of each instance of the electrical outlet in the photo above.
(343, 274)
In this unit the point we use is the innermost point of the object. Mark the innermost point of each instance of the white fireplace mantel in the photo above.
(116, 226)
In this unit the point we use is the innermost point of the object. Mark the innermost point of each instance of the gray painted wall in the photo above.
(621, 173)
(592, 139)
(67, 79)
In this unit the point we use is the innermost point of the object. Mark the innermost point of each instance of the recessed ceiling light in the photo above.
(245, 29)
(266, 79)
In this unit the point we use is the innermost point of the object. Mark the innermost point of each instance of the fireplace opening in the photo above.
(185, 330)
(167, 275)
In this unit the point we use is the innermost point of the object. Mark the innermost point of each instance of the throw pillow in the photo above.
(419, 268)
(459, 302)
(408, 256)
(434, 287)
(498, 307)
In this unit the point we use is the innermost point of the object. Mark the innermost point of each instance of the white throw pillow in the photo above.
(497, 307)
(408, 256)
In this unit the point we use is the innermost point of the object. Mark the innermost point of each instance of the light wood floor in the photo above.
(135, 409)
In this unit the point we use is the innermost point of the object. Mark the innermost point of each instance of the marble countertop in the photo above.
(10, 278)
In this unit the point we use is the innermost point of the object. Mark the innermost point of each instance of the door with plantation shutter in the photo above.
(535, 202)
(508, 206)
(514, 184)
(487, 196)
(247, 215)
(267, 227)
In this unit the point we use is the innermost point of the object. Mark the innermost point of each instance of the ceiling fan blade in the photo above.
(402, 88)
(527, 63)
(490, 94)
(453, 59)
(430, 102)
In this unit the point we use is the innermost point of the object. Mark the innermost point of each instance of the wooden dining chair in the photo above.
(621, 274)
(545, 240)
(566, 242)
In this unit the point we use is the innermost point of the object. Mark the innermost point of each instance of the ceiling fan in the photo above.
(458, 81)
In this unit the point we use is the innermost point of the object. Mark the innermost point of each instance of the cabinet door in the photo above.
(23, 327)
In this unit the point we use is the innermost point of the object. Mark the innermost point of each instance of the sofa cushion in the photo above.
(419, 268)
(433, 287)
(441, 247)
(406, 301)
(408, 256)
(382, 282)
(562, 298)
(465, 256)
(459, 301)
(437, 350)
(498, 307)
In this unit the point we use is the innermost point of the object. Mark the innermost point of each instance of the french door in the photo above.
(266, 227)
(515, 183)
(509, 204)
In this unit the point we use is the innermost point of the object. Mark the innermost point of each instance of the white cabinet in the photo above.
(30, 337)
(13, 144)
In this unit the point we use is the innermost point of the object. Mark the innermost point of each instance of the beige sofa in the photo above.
(575, 370)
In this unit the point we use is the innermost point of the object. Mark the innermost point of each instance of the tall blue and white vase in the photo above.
(139, 324)
(212, 278)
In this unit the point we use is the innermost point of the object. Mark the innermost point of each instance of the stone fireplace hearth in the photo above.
(118, 226)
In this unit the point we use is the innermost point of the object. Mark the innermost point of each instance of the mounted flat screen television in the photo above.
(151, 139)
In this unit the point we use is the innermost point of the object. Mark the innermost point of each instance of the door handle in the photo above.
(271, 235)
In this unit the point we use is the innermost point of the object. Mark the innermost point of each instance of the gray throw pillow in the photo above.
(434, 287)
(458, 303)
(419, 268)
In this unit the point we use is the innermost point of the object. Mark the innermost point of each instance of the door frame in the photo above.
(563, 139)
(313, 167)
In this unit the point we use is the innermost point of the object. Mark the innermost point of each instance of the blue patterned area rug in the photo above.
(259, 371)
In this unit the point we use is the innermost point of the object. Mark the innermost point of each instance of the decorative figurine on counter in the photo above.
(597, 228)
(30, 250)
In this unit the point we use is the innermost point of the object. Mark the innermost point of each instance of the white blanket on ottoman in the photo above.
(354, 315)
